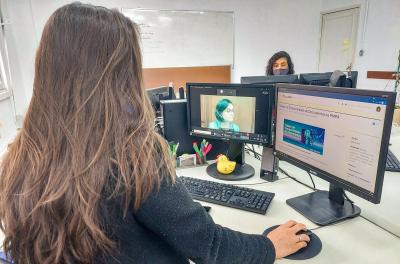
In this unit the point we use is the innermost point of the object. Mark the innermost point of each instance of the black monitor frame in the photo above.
(337, 185)
(269, 79)
(234, 86)
(235, 150)
(348, 80)
(315, 78)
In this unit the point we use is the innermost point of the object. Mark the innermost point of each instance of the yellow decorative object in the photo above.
(346, 45)
(224, 165)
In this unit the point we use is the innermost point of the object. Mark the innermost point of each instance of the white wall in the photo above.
(7, 125)
(21, 42)
(262, 27)
(380, 39)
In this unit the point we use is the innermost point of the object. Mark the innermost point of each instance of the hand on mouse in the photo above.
(286, 241)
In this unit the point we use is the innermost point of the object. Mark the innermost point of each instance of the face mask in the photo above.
(281, 71)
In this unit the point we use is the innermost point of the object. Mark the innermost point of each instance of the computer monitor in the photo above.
(238, 113)
(339, 134)
(159, 93)
(269, 79)
(324, 79)
(316, 78)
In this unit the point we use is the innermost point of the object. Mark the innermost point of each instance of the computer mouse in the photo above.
(305, 232)
(311, 250)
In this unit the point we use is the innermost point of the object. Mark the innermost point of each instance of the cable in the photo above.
(312, 180)
(363, 217)
(257, 183)
(390, 232)
(325, 226)
(255, 155)
(314, 189)
(296, 180)
(345, 195)
(252, 151)
(347, 198)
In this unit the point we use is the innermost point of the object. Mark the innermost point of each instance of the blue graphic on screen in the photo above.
(305, 136)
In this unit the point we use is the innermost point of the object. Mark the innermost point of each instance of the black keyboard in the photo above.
(392, 163)
(228, 195)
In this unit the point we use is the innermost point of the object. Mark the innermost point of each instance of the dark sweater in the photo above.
(171, 228)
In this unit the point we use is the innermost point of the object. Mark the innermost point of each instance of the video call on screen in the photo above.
(245, 111)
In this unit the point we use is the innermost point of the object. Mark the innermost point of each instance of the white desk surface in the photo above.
(352, 241)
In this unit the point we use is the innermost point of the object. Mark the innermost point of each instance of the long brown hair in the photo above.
(89, 128)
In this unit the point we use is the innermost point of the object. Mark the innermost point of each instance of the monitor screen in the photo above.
(231, 111)
(269, 79)
(338, 134)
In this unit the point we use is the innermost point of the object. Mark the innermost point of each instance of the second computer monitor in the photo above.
(269, 79)
(340, 135)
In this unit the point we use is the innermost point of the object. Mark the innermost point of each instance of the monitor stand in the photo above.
(242, 170)
(323, 207)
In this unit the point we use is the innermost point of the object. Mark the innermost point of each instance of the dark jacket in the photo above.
(170, 227)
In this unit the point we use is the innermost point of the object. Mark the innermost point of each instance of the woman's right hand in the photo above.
(286, 241)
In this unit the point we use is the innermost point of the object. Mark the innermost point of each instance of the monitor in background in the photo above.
(321, 79)
(340, 135)
(346, 80)
(159, 93)
(269, 79)
(238, 113)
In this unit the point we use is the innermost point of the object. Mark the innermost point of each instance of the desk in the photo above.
(352, 241)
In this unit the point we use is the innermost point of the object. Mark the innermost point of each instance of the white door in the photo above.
(338, 39)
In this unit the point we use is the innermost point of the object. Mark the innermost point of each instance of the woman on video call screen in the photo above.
(225, 116)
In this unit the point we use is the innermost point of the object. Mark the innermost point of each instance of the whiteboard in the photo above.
(184, 38)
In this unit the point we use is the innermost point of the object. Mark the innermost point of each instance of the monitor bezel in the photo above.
(375, 196)
(315, 76)
(269, 79)
(231, 86)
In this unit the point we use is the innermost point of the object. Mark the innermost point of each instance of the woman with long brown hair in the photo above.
(88, 180)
